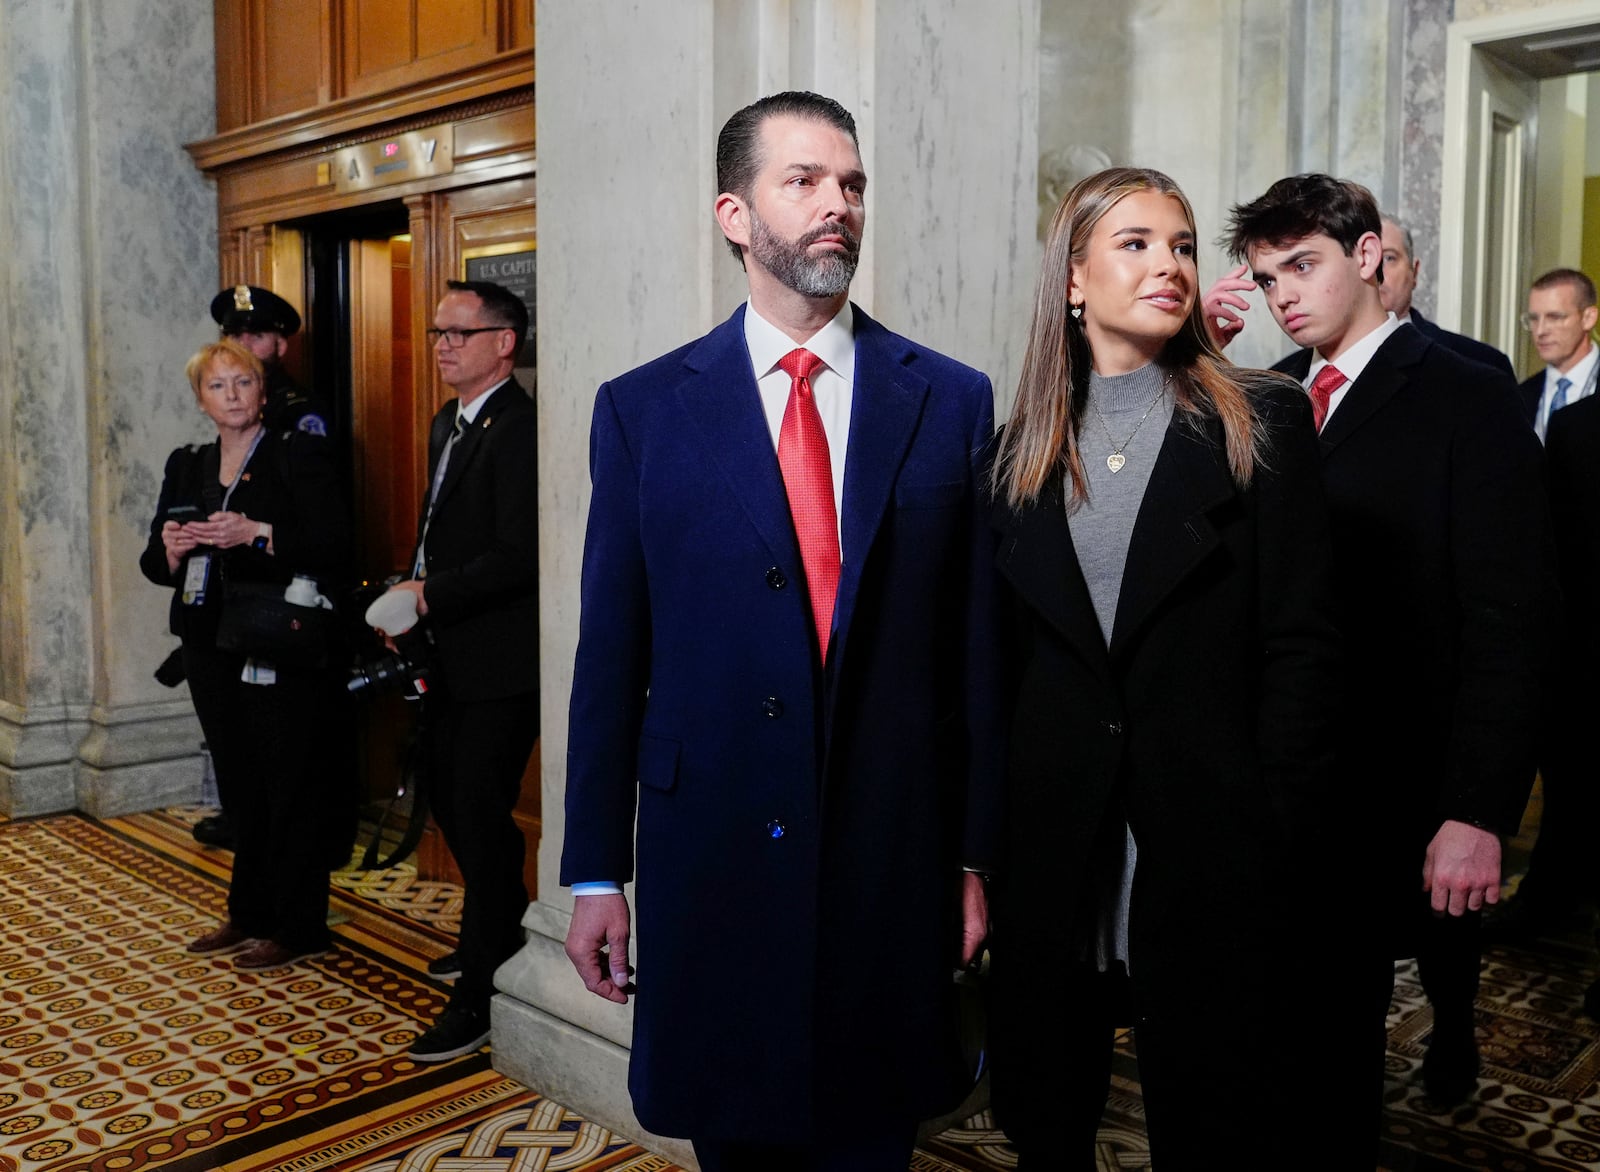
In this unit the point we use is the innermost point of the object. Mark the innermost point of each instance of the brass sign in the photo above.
(416, 154)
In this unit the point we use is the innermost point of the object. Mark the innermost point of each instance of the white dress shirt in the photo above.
(832, 384)
(1351, 363)
(1582, 375)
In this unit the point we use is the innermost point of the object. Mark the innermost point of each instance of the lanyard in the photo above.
(243, 464)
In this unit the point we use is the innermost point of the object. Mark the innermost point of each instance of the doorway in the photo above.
(1521, 178)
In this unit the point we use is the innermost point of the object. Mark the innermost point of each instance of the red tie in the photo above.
(1328, 380)
(808, 480)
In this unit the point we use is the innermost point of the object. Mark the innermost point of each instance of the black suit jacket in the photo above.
(1445, 573)
(1572, 454)
(482, 549)
(1529, 392)
(1477, 351)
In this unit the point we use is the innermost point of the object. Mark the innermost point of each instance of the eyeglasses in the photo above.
(1532, 321)
(458, 338)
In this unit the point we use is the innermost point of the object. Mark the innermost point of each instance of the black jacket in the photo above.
(292, 484)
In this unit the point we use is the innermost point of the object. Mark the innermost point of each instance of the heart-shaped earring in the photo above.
(1077, 313)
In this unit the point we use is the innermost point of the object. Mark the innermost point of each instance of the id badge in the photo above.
(195, 579)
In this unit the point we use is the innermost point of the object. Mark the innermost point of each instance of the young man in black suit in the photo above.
(476, 580)
(1401, 269)
(1445, 576)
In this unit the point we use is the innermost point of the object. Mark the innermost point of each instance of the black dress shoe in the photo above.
(446, 967)
(1591, 1001)
(1450, 1067)
(269, 954)
(456, 1031)
(214, 831)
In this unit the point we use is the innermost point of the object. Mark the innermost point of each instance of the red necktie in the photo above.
(1328, 380)
(808, 481)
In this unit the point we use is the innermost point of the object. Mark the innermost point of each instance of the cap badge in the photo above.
(241, 298)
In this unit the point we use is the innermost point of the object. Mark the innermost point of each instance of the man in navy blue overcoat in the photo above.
(812, 783)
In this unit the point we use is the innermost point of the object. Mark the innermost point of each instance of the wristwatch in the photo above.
(263, 537)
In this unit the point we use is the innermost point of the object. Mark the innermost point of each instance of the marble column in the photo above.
(632, 265)
(111, 259)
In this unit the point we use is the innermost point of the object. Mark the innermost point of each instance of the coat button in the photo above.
(775, 829)
(775, 578)
(772, 706)
(1114, 727)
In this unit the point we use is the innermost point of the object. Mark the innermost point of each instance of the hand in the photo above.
(413, 586)
(1222, 299)
(974, 917)
(597, 945)
(225, 530)
(1462, 868)
(178, 541)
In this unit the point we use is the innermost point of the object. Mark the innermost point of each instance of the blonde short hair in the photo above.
(224, 349)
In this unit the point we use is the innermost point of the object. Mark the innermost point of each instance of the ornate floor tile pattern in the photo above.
(120, 1051)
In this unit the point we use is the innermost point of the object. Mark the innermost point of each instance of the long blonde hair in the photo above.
(1041, 440)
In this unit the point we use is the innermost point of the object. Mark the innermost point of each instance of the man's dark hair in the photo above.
(739, 144)
(1301, 206)
(1580, 282)
(501, 306)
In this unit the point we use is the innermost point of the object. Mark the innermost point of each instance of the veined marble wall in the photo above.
(110, 263)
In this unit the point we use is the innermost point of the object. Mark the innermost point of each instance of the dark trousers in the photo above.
(264, 740)
(1561, 876)
(888, 1151)
(215, 690)
(476, 754)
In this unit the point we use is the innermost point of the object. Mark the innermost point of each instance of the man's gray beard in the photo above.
(811, 276)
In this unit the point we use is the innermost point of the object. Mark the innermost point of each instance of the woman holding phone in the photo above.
(252, 507)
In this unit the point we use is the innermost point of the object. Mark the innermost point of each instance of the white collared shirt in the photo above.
(1351, 363)
(1582, 375)
(832, 384)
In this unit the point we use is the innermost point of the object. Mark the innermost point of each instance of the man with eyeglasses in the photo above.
(1560, 885)
(1561, 317)
(475, 581)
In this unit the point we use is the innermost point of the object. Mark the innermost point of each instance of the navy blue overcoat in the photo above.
(800, 834)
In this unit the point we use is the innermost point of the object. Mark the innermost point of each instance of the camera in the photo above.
(391, 672)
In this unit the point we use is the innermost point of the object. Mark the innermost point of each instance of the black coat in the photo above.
(1207, 724)
(1471, 348)
(1445, 574)
(1572, 455)
(292, 483)
(482, 585)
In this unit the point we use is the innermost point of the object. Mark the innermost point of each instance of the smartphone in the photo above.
(184, 514)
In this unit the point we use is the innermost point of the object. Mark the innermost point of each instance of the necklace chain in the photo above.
(1116, 459)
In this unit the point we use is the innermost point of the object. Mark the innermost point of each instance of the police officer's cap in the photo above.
(250, 309)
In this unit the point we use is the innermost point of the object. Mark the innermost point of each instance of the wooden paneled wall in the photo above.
(282, 57)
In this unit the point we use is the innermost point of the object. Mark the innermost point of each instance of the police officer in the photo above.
(262, 322)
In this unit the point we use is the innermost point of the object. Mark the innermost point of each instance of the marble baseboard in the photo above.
(128, 789)
(575, 1068)
(30, 790)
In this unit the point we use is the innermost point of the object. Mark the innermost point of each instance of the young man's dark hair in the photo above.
(501, 305)
(739, 143)
(1302, 206)
(1580, 282)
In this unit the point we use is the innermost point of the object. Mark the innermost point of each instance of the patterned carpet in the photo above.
(119, 1051)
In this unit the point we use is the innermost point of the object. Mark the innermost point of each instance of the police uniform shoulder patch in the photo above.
(312, 424)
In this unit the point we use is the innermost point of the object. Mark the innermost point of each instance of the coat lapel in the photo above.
(719, 394)
(1384, 375)
(884, 409)
(471, 438)
(1039, 560)
(1172, 534)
